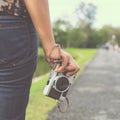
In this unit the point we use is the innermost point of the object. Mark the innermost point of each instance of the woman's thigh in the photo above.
(14, 91)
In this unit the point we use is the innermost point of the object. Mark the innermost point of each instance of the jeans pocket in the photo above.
(15, 42)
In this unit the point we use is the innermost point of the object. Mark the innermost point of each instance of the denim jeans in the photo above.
(18, 56)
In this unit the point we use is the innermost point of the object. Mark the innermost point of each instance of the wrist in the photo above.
(53, 51)
(48, 48)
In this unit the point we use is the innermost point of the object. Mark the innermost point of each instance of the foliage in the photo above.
(62, 30)
(86, 14)
(42, 66)
(83, 35)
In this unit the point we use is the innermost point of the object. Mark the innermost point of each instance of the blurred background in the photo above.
(82, 27)
(87, 23)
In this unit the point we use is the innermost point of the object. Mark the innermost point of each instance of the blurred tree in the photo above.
(86, 17)
(86, 14)
(83, 35)
(117, 34)
(106, 34)
(67, 35)
(61, 30)
(77, 38)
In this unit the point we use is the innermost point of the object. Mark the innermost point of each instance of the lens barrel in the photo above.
(62, 84)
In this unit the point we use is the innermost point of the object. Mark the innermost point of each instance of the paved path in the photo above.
(96, 95)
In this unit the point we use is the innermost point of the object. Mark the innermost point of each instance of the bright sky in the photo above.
(107, 11)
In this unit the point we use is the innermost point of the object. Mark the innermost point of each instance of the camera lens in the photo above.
(62, 84)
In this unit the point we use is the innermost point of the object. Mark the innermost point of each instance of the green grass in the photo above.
(42, 66)
(39, 105)
(82, 56)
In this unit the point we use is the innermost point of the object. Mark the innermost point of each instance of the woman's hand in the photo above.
(68, 65)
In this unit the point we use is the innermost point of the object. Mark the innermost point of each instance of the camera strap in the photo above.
(66, 108)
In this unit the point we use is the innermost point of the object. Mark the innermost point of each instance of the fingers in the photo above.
(71, 73)
(72, 69)
(68, 66)
(64, 64)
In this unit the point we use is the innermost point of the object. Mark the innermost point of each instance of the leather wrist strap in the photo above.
(67, 106)
(50, 60)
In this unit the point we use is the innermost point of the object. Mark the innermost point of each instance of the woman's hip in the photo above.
(18, 40)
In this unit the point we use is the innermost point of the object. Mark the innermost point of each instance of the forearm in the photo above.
(39, 12)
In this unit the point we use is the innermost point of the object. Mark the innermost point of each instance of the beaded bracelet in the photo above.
(51, 60)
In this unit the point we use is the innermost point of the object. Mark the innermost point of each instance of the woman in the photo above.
(18, 52)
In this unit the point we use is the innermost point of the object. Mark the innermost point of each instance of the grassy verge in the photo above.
(82, 56)
(42, 66)
(39, 105)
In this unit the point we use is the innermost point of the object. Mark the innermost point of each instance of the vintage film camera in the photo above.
(58, 85)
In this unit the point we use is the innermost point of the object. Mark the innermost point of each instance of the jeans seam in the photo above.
(5, 60)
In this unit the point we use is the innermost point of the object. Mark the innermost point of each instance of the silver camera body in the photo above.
(58, 85)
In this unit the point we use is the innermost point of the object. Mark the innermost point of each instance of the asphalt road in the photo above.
(96, 95)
